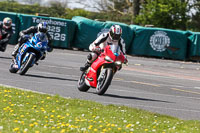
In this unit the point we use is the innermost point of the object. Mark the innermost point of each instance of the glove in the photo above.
(25, 36)
(98, 49)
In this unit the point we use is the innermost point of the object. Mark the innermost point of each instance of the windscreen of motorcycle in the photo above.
(39, 37)
(115, 49)
(42, 37)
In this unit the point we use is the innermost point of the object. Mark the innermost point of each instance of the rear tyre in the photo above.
(81, 83)
(27, 64)
(104, 81)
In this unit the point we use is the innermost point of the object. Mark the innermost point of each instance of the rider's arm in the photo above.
(123, 49)
(32, 29)
(7, 38)
(102, 38)
(122, 46)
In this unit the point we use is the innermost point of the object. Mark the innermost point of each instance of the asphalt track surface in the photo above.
(163, 86)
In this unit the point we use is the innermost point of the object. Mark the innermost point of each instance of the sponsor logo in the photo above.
(55, 28)
(159, 41)
(49, 21)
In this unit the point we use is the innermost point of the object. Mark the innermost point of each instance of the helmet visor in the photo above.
(7, 24)
(41, 36)
(44, 30)
(115, 36)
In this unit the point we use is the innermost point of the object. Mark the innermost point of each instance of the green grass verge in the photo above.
(25, 111)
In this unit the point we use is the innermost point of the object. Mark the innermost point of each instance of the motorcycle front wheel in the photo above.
(81, 83)
(104, 81)
(12, 69)
(26, 64)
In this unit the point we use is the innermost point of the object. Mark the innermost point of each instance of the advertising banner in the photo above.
(58, 28)
(88, 30)
(194, 45)
(160, 42)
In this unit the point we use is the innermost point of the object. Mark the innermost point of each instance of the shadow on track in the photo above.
(134, 98)
(7, 58)
(47, 77)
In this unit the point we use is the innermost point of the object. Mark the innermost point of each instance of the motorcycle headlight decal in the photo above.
(39, 45)
(107, 58)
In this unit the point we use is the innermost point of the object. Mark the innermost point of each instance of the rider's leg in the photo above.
(90, 58)
(14, 53)
(3, 47)
(21, 40)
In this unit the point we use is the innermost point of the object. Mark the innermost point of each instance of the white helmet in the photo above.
(43, 27)
(115, 32)
(7, 22)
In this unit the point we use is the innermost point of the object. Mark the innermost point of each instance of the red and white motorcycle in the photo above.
(102, 70)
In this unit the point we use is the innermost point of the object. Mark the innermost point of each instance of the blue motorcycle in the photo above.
(29, 53)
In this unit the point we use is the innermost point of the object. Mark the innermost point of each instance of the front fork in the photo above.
(26, 58)
(102, 72)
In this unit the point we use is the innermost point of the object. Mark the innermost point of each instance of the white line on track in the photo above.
(152, 75)
(198, 88)
(153, 107)
(156, 94)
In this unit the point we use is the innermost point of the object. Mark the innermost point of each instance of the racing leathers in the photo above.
(5, 35)
(25, 35)
(100, 43)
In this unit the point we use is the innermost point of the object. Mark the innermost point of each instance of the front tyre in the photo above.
(26, 64)
(104, 81)
(81, 83)
(12, 69)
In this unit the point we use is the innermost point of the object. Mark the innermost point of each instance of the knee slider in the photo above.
(89, 57)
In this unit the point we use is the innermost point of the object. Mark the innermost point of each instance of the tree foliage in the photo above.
(164, 13)
(172, 14)
(194, 22)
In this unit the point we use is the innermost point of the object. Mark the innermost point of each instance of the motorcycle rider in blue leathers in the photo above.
(24, 36)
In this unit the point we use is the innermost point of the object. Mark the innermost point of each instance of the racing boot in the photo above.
(86, 66)
(3, 47)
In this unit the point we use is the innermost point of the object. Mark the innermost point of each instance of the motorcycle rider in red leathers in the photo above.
(113, 37)
(5, 33)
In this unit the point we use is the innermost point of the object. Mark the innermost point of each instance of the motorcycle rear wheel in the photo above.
(26, 65)
(104, 81)
(81, 83)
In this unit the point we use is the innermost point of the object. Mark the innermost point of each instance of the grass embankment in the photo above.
(24, 111)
